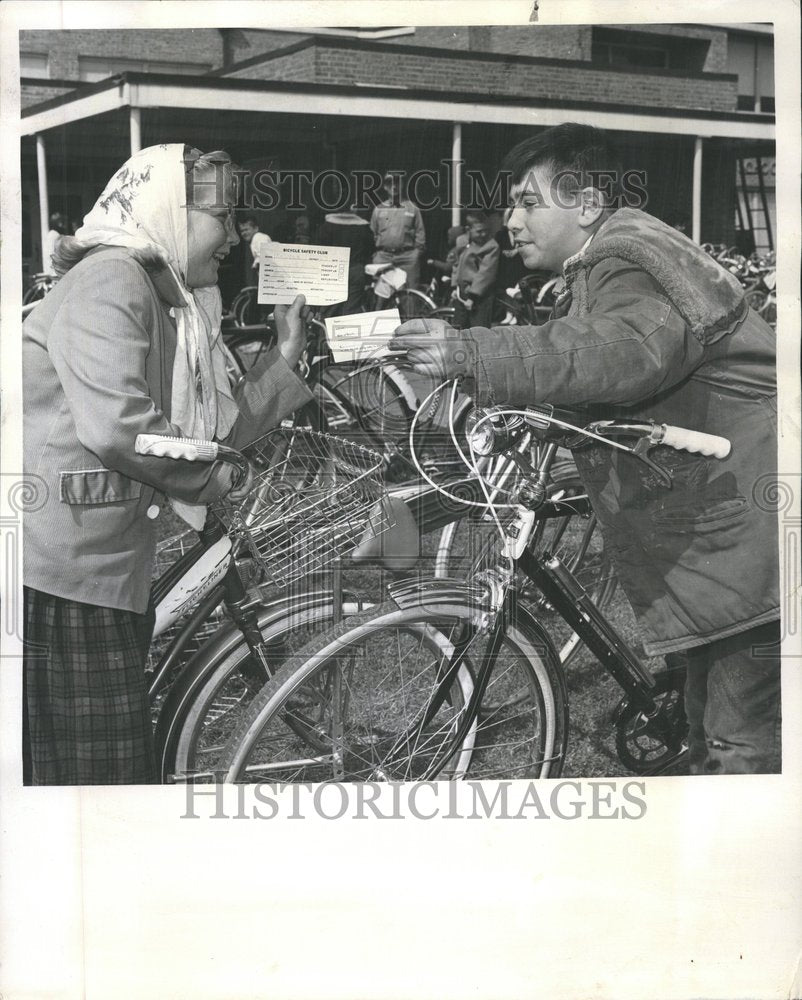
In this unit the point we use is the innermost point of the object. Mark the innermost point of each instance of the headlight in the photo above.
(492, 431)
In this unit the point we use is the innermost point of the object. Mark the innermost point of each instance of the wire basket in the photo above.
(315, 497)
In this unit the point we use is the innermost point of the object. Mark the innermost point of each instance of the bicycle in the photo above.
(513, 722)
(234, 633)
(221, 628)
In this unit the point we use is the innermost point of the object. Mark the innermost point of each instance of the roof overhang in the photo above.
(227, 94)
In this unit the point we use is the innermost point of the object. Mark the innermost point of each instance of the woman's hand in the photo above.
(291, 329)
(434, 348)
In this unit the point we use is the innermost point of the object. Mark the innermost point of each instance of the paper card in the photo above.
(287, 270)
(362, 335)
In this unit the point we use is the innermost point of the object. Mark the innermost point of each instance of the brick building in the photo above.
(691, 105)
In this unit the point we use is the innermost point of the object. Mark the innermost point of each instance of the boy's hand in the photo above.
(291, 329)
(434, 348)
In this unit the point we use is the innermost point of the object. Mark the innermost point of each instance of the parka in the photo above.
(655, 329)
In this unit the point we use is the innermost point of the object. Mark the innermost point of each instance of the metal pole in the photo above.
(44, 202)
(456, 172)
(696, 216)
(135, 119)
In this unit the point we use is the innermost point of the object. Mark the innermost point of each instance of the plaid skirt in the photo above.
(87, 719)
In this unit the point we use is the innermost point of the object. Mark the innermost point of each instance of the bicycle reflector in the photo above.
(493, 430)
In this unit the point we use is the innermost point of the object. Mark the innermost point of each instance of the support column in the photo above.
(696, 210)
(135, 119)
(44, 201)
(456, 172)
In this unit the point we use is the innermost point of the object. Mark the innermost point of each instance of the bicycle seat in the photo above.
(374, 270)
(397, 547)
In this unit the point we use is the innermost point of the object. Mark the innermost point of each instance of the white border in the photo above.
(105, 893)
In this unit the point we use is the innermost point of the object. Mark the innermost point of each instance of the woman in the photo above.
(128, 342)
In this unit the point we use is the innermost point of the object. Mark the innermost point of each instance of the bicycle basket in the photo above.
(314, 497)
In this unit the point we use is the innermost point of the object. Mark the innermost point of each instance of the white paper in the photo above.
(289, 269)
(362, 335)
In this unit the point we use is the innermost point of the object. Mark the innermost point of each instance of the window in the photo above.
(92, 69)
(34, 64)
(644, 50)
(753, 60)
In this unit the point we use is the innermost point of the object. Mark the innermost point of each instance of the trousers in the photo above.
(732, 701)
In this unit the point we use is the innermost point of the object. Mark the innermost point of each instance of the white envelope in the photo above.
(362, 335)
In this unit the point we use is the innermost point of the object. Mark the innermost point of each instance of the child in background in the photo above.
(474, 275)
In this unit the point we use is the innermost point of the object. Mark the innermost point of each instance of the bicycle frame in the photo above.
(500, 597)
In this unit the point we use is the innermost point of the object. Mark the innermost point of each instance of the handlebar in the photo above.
(694, 441)
(192, 450)
(679, 438)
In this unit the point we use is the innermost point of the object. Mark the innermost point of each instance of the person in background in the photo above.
(302, 232)
(253, 239)
(650, 327)
(398, 231)
(457, 241)
(59, 226)
(128, 342)
(474, 275)
(348, 229)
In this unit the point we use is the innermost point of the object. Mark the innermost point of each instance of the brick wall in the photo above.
(546, 40)
(201, 45)
(34, 94)
(247, 43)
(435, 37)
(298, 66)
(543, 80)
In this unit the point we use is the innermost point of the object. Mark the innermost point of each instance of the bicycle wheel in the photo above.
(245, 309)
(250, 347)
(366, 406)
(211, 695)
(413, 304)
(368, 701)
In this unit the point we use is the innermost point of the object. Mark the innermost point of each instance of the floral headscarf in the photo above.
(144, 207)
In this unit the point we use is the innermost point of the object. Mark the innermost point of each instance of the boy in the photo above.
(397, 227)
(650, 326)
(474, 274)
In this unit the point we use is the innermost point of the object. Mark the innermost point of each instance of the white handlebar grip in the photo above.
(165, 445)
(705, 444)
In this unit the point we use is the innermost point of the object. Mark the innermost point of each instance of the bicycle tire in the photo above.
(521, 734)
(372, 409)
(217, 684)
(413, 304)
(244, 307)
(249, 348)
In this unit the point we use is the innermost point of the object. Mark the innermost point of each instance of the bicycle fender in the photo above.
(413, 592)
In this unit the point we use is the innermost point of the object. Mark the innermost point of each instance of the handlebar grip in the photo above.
(166, 445)
(685, 440)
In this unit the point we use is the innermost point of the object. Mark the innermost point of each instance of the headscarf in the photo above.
(144, 207)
